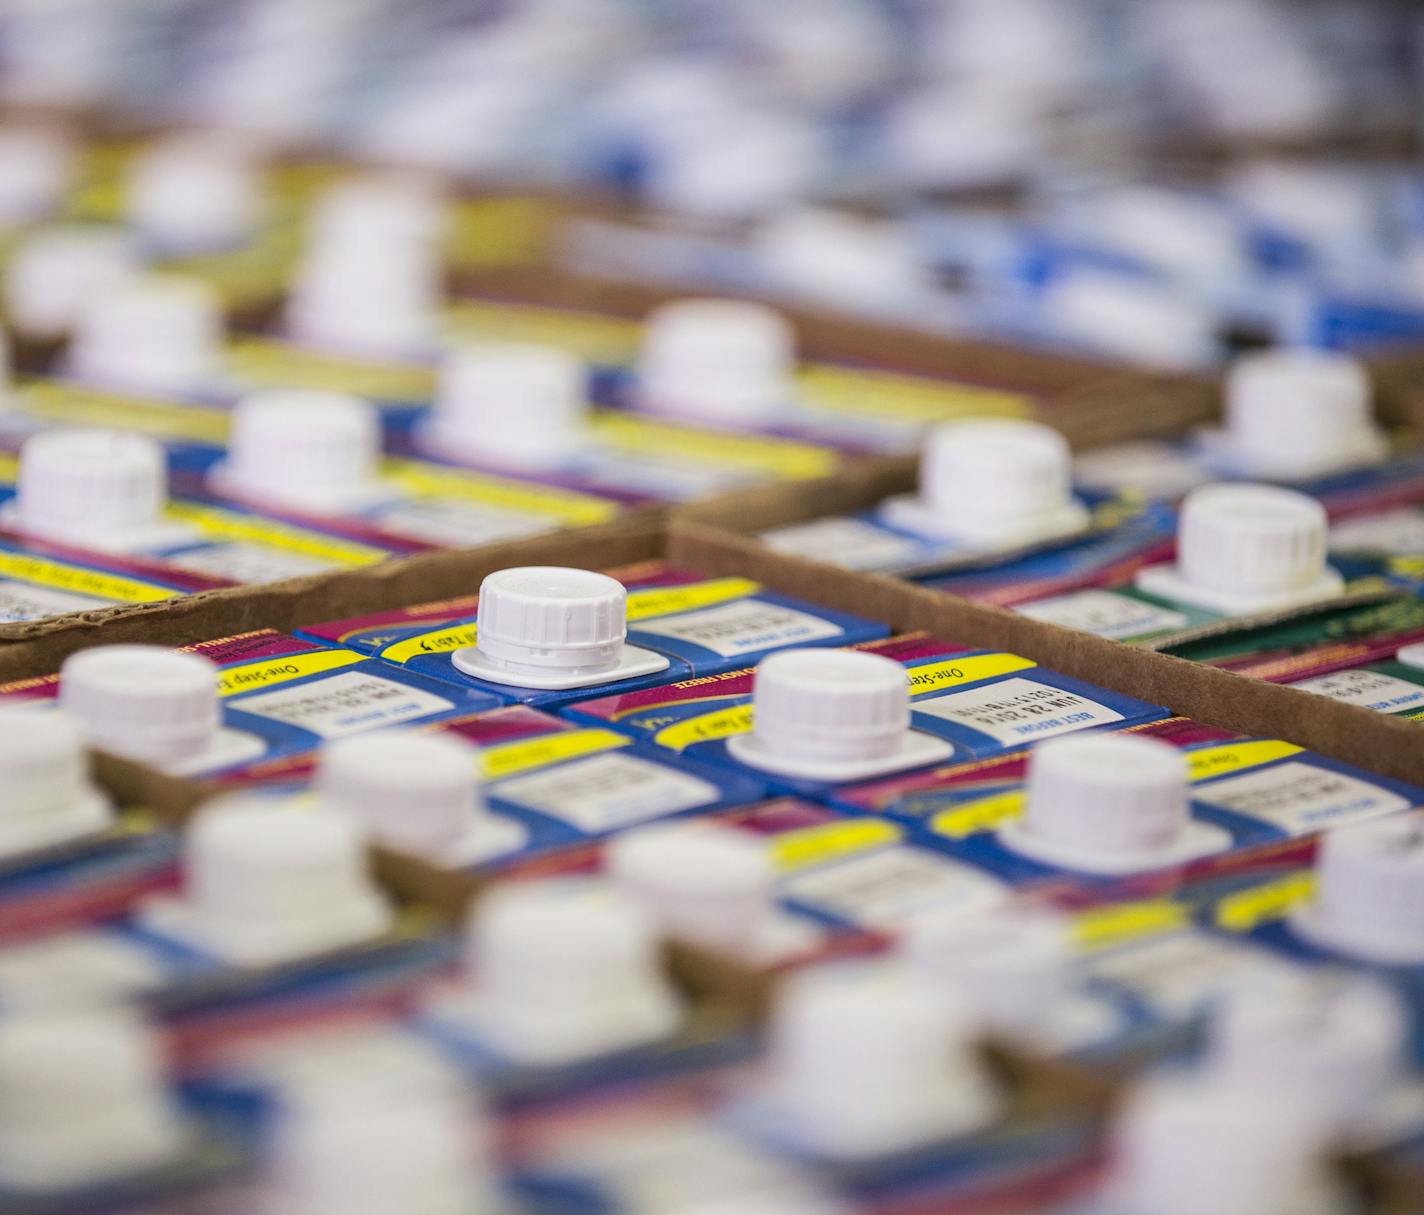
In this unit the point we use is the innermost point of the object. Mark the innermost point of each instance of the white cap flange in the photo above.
(1296, 414)
(54, 275)
(551, 627)
(562, 970)
(522, 406)
(1369, 895)
(268, 882)
(992, 483)
(305, 450)
(866, 1060)
(150, 335)
(1109, 803)
(417, 792)
(97, 489)
(49, 798)
(719, 361)
(833, 715)
(1243, 549)
(83, 1100)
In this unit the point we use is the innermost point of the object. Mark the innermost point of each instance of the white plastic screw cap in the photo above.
(830, 706)
(1133, 318)
(194, 192)
(82, 1100)
(1251, 539)
(52, 277)
(831, 256)
(1336, 1042)
(267, 881)
(510, 403)
(708, 884)
(1305, 411)
(376, 299)
(993, 481)
(717, 360)
(150, 335)
(376, 1156)
(142, 702)
(535, 619)
(1184, 1144)
(567, 968)
(45, 774)
(1109, 803)
(415, 791)
(1011, 964)
(100, 489)
(304, 449)
(376, 209)
(1369, 894)
(38, 164)
(866, 1060)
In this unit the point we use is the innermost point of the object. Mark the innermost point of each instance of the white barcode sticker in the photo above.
(343, 704)
(742, 627)
(461, 524)
(1019, 710)
(1105, 614)
(890, 888)
(605, 792)
(855, 544)
(247, 562)
(1300, 797)
(20, 602)
(1368, 689)
(1398, 533)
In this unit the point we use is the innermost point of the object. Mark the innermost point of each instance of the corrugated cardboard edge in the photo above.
(1387, 745)
(28, 650)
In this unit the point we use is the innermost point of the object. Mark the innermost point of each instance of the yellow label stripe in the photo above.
(505, 759)
(1106, 926)
(665, 600)
(816, 845)
(111, 588)
(438, 641)
(268, 672)
(1244, 910)
(934, 676)
(1205, 762)
(482, 489)
(216, 524)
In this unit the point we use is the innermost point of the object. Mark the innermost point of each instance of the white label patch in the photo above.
(854, 544)
(75, 967)
(20, 602)
(1369, 689)
(1179, 974)
(1105, 614)
(246, 562)
(605, 792)
(1018, 710)
(1299, 797)
(742, 627)
(1398, 533)
(461, 524)
(891, 887)
(344, 704)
